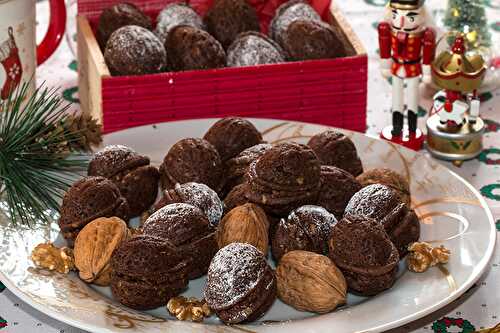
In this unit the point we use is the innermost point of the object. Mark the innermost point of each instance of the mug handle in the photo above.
(55, 33)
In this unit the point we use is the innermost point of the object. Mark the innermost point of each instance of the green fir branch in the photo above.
(38, 159)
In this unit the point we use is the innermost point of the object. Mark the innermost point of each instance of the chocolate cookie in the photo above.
(237, 167)
(191, 48)
(360, 247)
(231, 135)
(388, 178)
(228, 18)
(337, 188)
(133, 50)
(198, 195)
(307, 228)
(241, 286)
(252, 49)
(381, 203)
(286, 14)
(117, 16)
(309, 40)
(336, 149)
(175, 14)
(146, 272)
(187, 228)
(236, 197)
(131, 172)
(192, 160)
(285, 177)
(88, 199)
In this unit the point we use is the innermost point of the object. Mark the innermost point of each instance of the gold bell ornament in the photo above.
(454, 129)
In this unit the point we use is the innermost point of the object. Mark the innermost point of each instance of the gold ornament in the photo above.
(188, 308)
(457, 71)
(47, 256)
(422, 256)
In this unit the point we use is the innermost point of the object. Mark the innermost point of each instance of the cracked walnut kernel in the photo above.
(422, 256)
(47, 256)
(188, 308)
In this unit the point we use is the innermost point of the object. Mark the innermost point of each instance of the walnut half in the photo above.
(188, 308)
(47, 256)
(95, 245)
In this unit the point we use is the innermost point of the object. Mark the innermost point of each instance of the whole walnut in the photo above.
(94, 246)
(389, 178)
(310, 282)
(244, 224)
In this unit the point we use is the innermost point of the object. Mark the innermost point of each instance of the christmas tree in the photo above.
(469, 17)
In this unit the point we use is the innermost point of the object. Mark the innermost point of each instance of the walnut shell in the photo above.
(95, 245)
(310, 282)
(245, 224)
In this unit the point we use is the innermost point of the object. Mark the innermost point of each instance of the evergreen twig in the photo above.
(41, 154)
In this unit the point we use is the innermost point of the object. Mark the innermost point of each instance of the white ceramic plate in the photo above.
(451, 211)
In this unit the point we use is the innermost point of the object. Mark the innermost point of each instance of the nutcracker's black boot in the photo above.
(397, 123)
(412, 122)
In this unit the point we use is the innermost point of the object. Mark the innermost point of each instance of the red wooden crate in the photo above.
(330, 91)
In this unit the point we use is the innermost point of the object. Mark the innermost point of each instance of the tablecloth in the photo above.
(479, 307)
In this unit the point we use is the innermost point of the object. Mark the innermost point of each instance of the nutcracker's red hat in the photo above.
(406, 4)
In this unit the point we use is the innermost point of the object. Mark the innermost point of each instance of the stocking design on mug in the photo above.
(17, 45)
(19, 54)
(11, 63)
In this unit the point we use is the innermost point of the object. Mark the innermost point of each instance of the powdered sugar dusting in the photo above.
(322, 219)
(135, 44)
(178, 209)
(298, 11)
(256, 151)
(233, 273)
(252, 50)
(114, 150)
(364, 202)
(176, 14)
(203, 197)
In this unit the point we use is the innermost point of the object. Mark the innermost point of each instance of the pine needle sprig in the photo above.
(42, 152)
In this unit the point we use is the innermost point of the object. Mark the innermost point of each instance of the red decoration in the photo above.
(9, 58)
(413, 141)
(331, 91)
(55, 32)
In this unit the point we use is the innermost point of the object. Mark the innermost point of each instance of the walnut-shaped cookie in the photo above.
(360, 247)
(88, 199)
(131, 172)
(240, 286)
(307, 228)
(383, 204)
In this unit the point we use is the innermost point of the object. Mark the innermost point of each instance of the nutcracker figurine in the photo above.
(454, 129)
(407, 49)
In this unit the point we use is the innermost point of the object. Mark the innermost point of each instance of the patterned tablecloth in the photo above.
(479, 307)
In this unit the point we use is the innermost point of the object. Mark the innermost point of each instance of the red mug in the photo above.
(19, 54)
